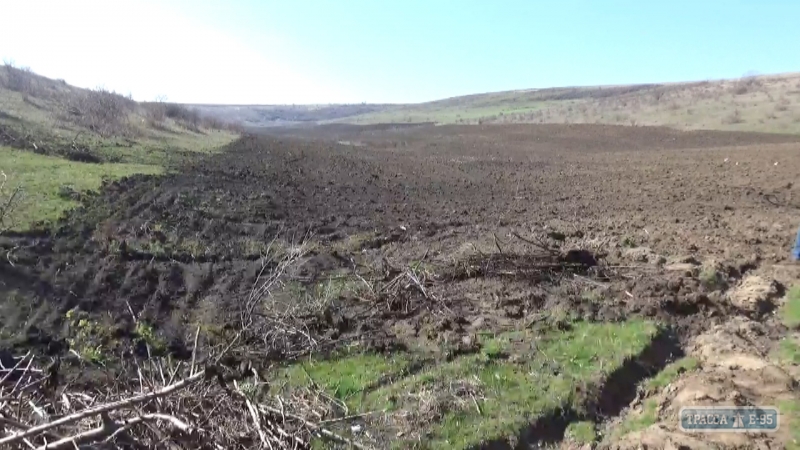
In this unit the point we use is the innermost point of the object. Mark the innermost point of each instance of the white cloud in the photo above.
(148, 50)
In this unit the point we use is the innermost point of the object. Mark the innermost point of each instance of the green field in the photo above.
(44, 184)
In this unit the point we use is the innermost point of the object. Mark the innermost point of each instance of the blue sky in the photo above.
(251, 52)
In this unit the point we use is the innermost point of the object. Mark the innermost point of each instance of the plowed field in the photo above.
(423, 241)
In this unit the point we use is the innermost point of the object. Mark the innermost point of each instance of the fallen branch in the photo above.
(71, 418)
(109, 428)
(537, 244)
(323, 432)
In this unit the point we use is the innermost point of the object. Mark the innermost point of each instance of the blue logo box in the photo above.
(729, 419)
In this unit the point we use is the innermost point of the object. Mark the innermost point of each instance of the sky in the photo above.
(390, 51)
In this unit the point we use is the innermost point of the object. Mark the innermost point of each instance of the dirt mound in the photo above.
(733, 371)
(756, 295)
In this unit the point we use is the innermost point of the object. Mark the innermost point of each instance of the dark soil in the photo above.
(184, 249)
(195, 235)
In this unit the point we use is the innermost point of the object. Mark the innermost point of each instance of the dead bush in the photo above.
(783, 104)
(9, 198)
(102, 111)
(213, 123)
(155, 114)
(657, 96)
(734, 118)
(747, 83)
(18, 79)
(189, 118)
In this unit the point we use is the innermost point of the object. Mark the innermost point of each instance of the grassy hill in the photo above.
(760, 103)
(278, 115)
(58, 141)
(769, 103)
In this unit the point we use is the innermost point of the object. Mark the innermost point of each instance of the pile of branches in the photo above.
(544, 265)
(22, 141)
(201, 403)
(73, 151)
(405, 290)
(166, 405)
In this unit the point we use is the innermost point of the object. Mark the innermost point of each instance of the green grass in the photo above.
(581, 432)
(791, 411)
(790, 312)
(671, 373)
(637, 421)
(346, 378)
(479, 396)
(789, 351)
(41, 177)
(712, 279)
(39, 118)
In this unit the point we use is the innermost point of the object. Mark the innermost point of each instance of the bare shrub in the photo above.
(783, 104)
(213, 123)
(18, 79)
(741, 89)
(747, 83)
(9, 199)
(155, 114)
(657, 96)
(236, 128)
(734, 118)
(102, 111)
(189, 118)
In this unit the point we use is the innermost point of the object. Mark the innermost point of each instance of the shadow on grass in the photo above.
(607, 400)
(6, 116)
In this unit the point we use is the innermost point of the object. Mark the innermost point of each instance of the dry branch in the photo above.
(124, 403)
(8, 201)
(110, 428)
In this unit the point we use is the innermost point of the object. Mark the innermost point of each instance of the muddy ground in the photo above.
(692, 229)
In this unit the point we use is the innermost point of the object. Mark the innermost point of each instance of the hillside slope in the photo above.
(58, 141)
(768, 103)
(280, 115)
(762, 103)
